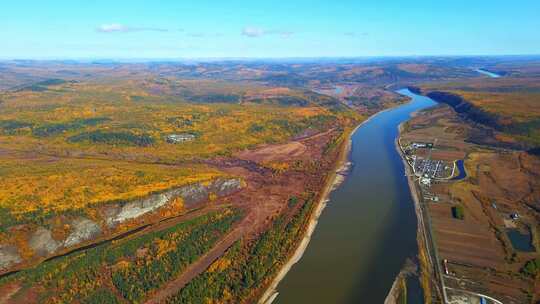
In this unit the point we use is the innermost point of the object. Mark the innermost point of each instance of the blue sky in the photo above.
(196, 29)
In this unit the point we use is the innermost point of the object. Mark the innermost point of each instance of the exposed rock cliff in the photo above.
(487, 122)
(9, 256)
(462, 106)
(190, 194)
(42, 242)
(82, 230)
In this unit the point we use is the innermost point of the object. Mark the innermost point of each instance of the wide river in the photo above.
(368, 228)
(487, 73)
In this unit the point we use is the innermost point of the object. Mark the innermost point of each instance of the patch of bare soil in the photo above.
(467, 241)
(7, 291)
(14, 293)
(274, 152)
(265, 196)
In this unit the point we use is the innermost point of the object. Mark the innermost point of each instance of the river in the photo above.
(368, 228)
(487, 73)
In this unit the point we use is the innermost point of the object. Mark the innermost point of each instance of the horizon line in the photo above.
(251, 58)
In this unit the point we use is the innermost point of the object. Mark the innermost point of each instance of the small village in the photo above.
(425, 169)
(468, 255)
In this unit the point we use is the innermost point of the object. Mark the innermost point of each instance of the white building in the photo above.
(426, 181)
(179, 138)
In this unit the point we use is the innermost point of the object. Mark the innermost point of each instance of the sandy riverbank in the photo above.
(421, 230)
(393, 294)
(334, 180)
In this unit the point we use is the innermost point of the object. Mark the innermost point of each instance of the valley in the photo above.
(200, 183)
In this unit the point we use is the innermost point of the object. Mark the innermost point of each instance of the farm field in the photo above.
(480, 255)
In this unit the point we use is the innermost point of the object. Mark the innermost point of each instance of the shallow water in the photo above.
(520, 241)
(368, 228)
(490, 74)
(461, 170)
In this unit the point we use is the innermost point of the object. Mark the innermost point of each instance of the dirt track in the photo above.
(264, 197)
(199, 266)
(274, 152)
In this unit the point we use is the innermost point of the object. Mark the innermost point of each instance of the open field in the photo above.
(480, 256)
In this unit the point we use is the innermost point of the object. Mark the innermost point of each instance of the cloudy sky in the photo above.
(200, 29)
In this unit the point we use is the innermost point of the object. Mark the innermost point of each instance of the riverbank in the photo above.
(396, 290)
(349, 213)
(424, 257)
(420, 230)
(337, 176)
(471, 256)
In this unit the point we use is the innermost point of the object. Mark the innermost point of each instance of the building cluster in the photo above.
(179, 138)
(424, 168)
(419, 145)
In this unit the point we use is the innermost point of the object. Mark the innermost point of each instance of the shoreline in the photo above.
(334, 180)
(392, 296)
(421, 226)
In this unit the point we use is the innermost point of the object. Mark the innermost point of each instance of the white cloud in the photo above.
(254, 32)
(113, 27)
(122, 28)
